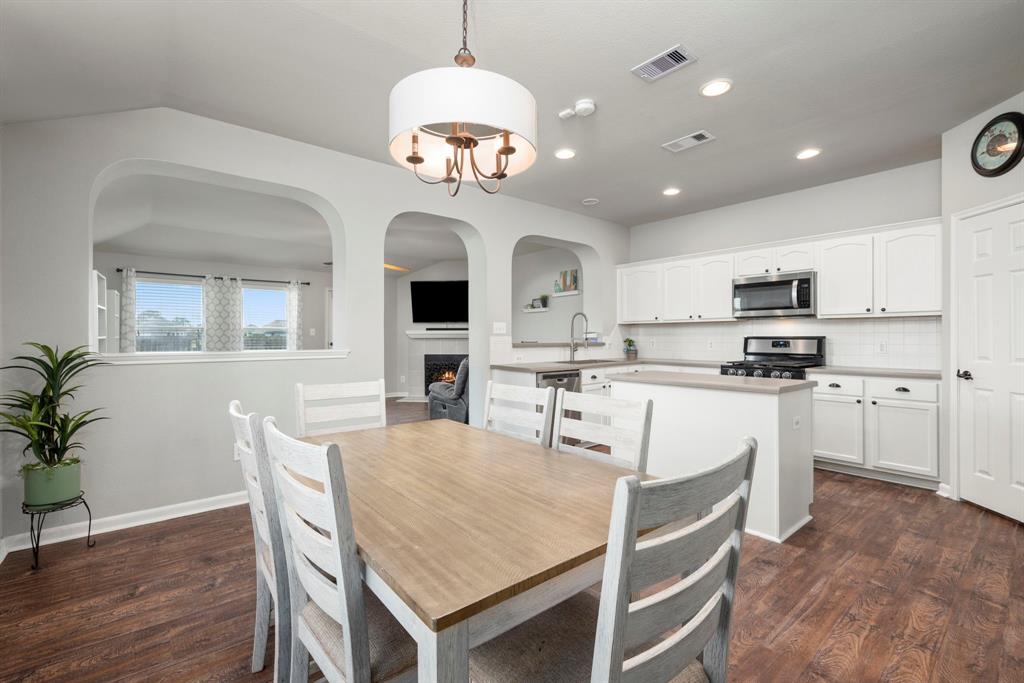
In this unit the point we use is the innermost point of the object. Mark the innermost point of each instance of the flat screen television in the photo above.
(440, 301)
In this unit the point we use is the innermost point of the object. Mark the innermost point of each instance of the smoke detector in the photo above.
(672, 59)
(688, 141)
(584, 107)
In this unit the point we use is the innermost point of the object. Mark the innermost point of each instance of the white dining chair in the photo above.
(271, 564)
(519, 411)
(584, 423)
(347, 631)
(330, 408)
(659, 636)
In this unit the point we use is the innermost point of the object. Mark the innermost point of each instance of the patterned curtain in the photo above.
(222, 314)
(127, 332)
(294, 316)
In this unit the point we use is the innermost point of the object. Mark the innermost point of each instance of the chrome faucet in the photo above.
(572, 335)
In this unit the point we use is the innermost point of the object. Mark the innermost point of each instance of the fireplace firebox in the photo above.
(440, 367)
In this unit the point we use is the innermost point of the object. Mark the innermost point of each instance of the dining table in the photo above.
(467, 533)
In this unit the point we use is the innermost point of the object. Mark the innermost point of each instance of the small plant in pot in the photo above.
(39, 417)
(630, 348)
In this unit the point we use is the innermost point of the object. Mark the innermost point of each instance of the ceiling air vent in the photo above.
(676, 57)
(688, 141)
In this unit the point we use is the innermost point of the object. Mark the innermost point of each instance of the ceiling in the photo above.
(873, 84)
(174, 218)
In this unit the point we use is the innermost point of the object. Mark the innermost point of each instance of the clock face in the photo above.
(998, 147)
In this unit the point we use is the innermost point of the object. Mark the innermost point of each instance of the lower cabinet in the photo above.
(596, 389)
(866, 423)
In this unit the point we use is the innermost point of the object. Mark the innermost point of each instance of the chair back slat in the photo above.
(664, 632)
(621, 426)
(667, 659)
(683, 550)
(667, 500)
(518, 411)
(323, 567)
(328, 408)
(672, 607)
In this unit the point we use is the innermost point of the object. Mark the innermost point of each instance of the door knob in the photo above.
(965, 374)
(858, 400)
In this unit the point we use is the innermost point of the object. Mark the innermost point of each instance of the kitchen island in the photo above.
(699, 420)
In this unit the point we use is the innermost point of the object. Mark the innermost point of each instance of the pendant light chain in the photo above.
(465, 23)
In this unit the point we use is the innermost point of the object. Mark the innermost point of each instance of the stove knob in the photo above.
(741, 372)
(732, 371)
(787, 375)
(776, 374)
(758, 373)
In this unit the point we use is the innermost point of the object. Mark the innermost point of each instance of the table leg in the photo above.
(444, 656)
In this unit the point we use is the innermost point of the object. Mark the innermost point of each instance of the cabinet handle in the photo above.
(874, 403)
(833, 385)
(766, 270)
(691, 317)
(903, 390)
(698, 316)
(868, 310)
(778, 270)
(858, 400)
(593, 377)
(883, 309)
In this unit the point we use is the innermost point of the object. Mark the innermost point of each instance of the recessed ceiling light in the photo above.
(717, 87)
(590, 201)
(670, 191)
(808, 153)
(565, 153)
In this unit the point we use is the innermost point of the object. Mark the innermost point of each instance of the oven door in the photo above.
(766, 296)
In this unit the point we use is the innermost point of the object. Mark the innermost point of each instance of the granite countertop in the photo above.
(761, 385)
(556, 366)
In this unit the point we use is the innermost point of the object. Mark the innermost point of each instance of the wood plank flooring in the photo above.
(886, 584)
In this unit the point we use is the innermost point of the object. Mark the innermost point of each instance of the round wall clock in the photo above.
(998, 146)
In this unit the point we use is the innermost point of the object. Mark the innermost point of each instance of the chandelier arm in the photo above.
(460, 165)
(416, 172)
(480, 184)
(489, 176)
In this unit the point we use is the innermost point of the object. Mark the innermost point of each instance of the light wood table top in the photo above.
(456, 519)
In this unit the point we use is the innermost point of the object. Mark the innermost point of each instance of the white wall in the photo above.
(534, 274)
(167, 440)
(901, 194)
(391, 332)
(408, 358)
(963, 188)
(313, 296)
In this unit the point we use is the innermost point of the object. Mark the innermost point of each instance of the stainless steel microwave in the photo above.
(778, 295)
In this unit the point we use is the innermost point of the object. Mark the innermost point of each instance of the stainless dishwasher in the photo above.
(562, 379)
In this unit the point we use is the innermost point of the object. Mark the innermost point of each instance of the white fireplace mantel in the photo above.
(437, 334)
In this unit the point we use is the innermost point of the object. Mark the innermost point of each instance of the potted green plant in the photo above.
(543, 300)
(39, 418)
(630, 348)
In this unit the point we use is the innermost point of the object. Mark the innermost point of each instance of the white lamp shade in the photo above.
(464, 95)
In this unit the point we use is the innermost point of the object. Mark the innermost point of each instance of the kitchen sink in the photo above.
(585, 362)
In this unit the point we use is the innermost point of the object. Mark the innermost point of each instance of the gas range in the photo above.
(777, 357)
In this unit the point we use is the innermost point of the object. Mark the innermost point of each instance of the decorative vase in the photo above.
(631, 354)
(49, 485)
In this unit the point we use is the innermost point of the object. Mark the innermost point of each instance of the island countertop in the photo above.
(556, 366)
(757, 385)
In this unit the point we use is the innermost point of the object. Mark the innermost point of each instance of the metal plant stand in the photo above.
(35, 530)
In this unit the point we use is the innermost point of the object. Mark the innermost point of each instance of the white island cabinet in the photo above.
(698, 422)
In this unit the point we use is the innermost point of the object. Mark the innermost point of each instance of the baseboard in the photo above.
(3, 548)
(413, 399)
(893, 478)
(102, 525)
(785, 534)
(946, 491)
(396, 394)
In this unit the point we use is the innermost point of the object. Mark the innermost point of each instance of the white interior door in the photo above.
(329, 317)
(990, 346)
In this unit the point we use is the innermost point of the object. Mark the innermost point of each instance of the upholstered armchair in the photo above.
(449, 401)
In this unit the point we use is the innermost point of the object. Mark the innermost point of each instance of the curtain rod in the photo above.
(215, 277)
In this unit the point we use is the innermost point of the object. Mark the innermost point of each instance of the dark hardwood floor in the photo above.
(886, 584)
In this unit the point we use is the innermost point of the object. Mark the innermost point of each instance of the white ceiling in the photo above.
(872, 83)
(173, 218)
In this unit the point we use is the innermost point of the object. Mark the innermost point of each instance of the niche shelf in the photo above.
(574, 292)
(527, 309)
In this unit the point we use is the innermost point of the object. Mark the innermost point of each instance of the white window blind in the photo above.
(264, 318)
(168, 315)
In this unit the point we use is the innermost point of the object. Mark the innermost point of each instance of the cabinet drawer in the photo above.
(837, 385)
(590, 376)
(904, 389)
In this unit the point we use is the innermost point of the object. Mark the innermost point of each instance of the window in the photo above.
(168, 316)
(264, 318)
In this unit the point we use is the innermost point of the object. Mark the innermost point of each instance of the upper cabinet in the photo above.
(640, 293)
(908, 271)
(844, 276)
(895, 272)
(786, 259)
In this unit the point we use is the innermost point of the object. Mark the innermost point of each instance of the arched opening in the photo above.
(189, 260)
(434, 310)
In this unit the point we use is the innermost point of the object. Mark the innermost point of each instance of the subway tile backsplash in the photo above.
(912, 343)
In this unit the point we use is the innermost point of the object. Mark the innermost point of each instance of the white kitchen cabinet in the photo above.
(640, 293)
(793, 258)
(903, 436)
(679, 291)
(714, 287)
(756, 262)
(599, 389)
(908, 271)
(845, 283)
(838, 432)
